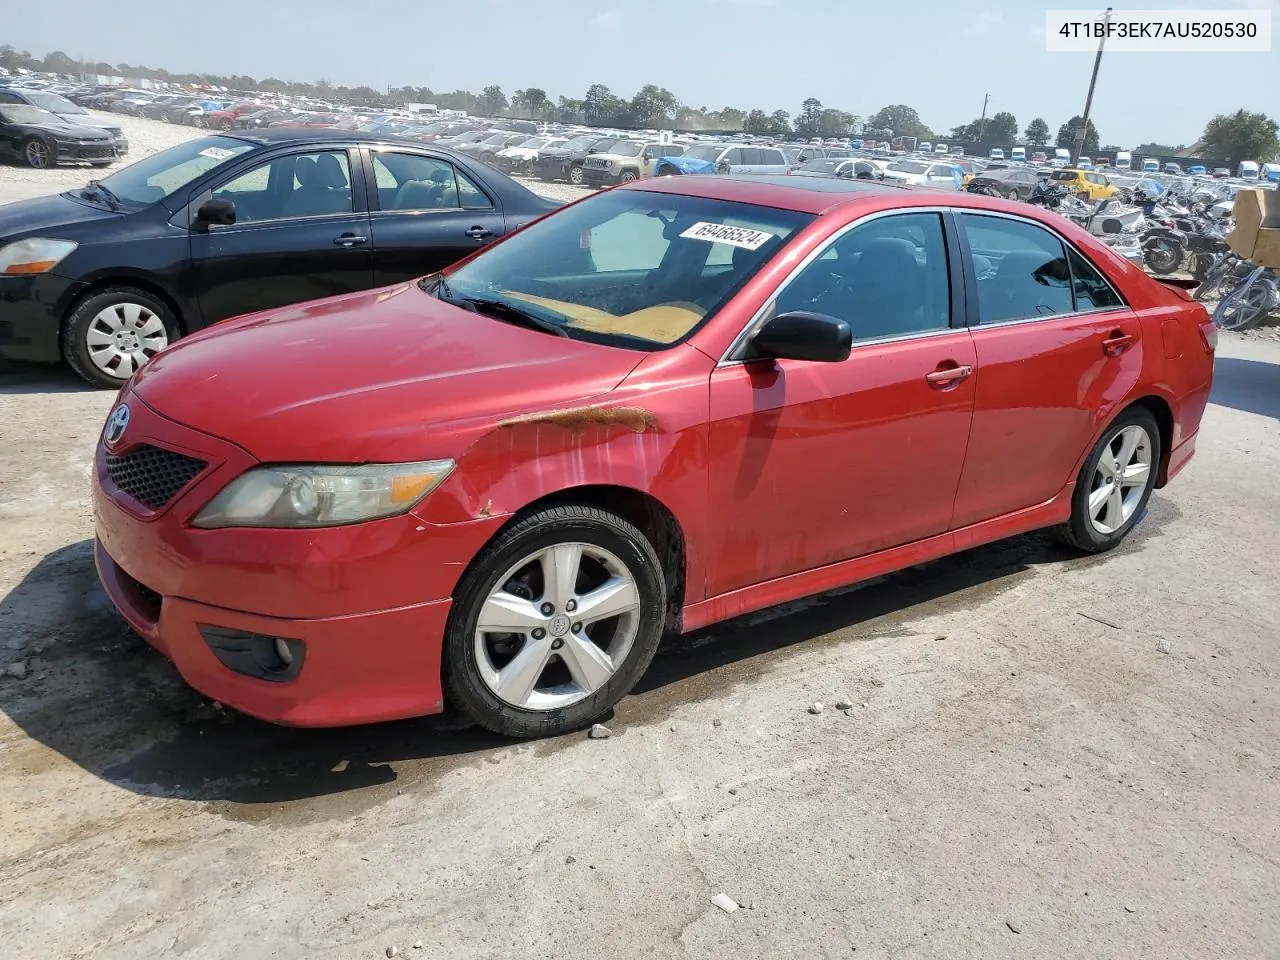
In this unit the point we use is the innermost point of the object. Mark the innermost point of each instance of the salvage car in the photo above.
(1085, 184)
(567, 165)
(520, 157)
(42, 139)
(922, 173)
(1014, 183)
(835, 167)
(69, 111)
(660, 407)
(627, 160)
(705, 158)
(107, 276)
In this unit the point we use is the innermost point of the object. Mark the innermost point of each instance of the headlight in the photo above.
(608, 163)
(33, 255)
(322, 496)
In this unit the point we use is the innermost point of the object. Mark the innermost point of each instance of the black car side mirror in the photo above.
(218, 211)
(802, 335)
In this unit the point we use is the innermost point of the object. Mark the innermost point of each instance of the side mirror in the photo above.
(218, 211)
(802, 335)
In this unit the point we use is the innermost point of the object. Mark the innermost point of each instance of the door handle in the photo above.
(948, 376)
(479, 233)
(1117, 343)
(349, 240)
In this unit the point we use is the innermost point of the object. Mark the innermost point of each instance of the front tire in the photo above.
(628, 176)
(554, 623)
(38, 153)
(576, 176)
(1162, 256)
(112, 332)
(1115, 483)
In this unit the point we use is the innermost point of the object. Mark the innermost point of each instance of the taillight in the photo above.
(1209, 334)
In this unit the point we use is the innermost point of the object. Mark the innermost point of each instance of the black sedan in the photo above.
(108, 275)
(68, 110)
(1016, 183)
(565, 162)
(41, 139)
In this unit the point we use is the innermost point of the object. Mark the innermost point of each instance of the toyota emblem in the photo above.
(117, 423)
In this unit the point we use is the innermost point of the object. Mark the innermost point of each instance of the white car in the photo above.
(512, 159)
(921, 173)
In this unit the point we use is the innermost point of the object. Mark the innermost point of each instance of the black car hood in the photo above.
(47, 217)
(63, 128)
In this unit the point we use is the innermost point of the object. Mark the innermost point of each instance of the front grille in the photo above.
(149, 601)
(152, 475)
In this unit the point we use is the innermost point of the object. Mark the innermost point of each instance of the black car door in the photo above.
(301, 232)
(425, 213)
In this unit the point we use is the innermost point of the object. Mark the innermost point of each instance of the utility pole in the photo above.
(1088, 100)
(982, 124)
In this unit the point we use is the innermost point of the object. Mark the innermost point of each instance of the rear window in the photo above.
(1063, 175)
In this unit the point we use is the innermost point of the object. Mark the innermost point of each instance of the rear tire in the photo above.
(1108, 503)
(109, 334)
(506, 585)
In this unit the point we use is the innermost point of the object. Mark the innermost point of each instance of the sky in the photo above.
(939, 56)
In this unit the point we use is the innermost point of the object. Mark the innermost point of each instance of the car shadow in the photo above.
(97, 695)
(28, 378)
(1252, 386)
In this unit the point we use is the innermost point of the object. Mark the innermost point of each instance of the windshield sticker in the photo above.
(217, 153)
(743, 237)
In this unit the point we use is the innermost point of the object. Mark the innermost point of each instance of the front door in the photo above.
(1056, 346)
(301, 233)
(813, 463)
(426, 213)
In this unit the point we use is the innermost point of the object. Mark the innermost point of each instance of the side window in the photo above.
(735, 157)
(886, 278)
(471, 196)
(652, 152)
(1092, 292)
(1021, 269)
(671, 150)
(410, 182)
(297, 185)
(10, 98)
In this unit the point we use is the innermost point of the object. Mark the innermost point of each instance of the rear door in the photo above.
(425, 213)
(301, 232)
(1056, 346)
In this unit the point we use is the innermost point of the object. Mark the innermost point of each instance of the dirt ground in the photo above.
(1047, 756)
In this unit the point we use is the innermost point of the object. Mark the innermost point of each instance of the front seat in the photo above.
(887, 287)
(1026, 280)
(322, 188)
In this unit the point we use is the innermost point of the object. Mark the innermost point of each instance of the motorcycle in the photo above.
(1251, 300)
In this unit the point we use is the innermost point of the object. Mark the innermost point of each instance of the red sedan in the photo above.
(657, 408)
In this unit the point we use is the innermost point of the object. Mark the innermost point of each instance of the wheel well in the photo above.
(653, 519)
(99, 285)
(1161, 410)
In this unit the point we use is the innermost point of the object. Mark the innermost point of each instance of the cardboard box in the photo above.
(1256, 235)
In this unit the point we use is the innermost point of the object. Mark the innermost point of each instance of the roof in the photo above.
(803, 194)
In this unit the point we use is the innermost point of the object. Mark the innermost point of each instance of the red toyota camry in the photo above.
(660, 407)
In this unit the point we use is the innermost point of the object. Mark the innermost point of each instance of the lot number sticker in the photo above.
(743, 237)
(217, 153)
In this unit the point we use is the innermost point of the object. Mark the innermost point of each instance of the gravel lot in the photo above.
(1047, 756)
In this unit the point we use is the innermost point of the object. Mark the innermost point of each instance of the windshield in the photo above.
(704, 151)
(820, 166)
(160, 174)
(23, 113)
(628, 268)
(907, 166)
(627, 148)
(54, 103)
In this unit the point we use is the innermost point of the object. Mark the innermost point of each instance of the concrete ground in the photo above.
(1047, 756)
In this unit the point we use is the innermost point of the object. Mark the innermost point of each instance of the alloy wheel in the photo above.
(557, 626)
(576, 176)
(124, 336)
(1120, 479)
(38, 154)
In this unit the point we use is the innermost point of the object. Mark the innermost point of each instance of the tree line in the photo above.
(1227, 138)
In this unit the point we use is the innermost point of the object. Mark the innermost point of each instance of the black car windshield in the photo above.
(24, 113)
(628, 268)
(54, 103)
(704, 151)
(160, 174)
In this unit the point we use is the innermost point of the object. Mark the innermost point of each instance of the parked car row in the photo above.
(40, 129)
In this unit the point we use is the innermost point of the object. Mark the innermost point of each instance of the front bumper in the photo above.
(31, 310)
(595, 175)
(96, 151)
(369, 601)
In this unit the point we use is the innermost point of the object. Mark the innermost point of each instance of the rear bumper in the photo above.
(31, 310)
(1181, 455)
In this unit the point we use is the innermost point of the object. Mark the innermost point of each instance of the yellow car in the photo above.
(1085, 184)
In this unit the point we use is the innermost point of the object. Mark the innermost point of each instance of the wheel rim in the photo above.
(576, 175)
(628, 177)
(1163, 257)
(38, 153)
(1120, 479)
(1241, 310)
(124, 336)
(556, 626)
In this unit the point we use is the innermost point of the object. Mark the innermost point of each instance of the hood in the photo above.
(48, 216)
(684, 165)
(65, 128)
(391, 374)
(555, 153)
(100, 125)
